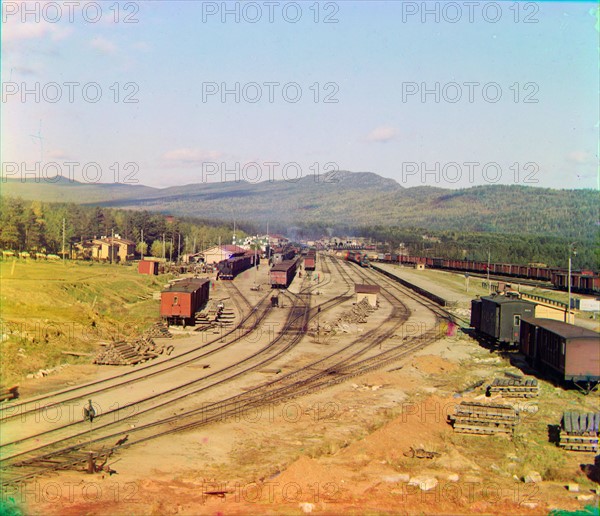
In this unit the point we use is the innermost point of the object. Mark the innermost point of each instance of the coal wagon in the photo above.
(180, 301)
(568, 353)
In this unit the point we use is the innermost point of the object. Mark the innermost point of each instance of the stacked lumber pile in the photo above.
(579, 431)
(514, 388)
(484, 418)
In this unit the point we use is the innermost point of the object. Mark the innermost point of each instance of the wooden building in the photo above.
(367, 291)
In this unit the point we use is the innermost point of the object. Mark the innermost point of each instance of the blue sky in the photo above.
(366, 59)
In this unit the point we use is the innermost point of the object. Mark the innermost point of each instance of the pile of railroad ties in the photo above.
(136, 351)
(358, 315)
(579, 431)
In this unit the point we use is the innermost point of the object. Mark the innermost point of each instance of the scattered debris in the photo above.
(532, 477)
(420, 453)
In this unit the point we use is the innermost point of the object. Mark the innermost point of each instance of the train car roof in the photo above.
(186, 285)
(506, 299)
(566, 330)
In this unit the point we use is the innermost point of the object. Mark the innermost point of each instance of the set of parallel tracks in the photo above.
(337, 367)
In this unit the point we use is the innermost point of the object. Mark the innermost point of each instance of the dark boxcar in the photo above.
(282, 274)
(501, 317)
(567, 352)
(229, 269)
(180, 301)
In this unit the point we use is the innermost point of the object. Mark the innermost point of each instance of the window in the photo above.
(516, 320)
(175, 300)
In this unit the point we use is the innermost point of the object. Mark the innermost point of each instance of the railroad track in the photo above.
(278, 390)
(71, 452)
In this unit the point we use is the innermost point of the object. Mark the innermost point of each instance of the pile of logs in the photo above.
(136, 351)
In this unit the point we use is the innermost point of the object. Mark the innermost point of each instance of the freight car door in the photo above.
(176, 307)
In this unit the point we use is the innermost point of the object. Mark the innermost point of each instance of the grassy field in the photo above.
(47, 307)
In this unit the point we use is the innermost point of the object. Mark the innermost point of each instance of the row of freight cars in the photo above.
(230, 268)
(563, 351)
(584, 281)
(359, 257)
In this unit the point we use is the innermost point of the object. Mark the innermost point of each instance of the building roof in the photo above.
(366, 289)
(566, 330)
(186, 285)
(230, 249)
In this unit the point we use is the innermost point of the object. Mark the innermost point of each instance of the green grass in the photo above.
(48, 307)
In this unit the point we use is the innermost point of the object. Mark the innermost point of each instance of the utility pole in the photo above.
(164, 252)
(142, 246)
(112, 245)
(178, 246)
(63, 241)
(572, 252)
(488, 274)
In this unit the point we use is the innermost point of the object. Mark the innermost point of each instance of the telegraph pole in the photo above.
(488, 274)
(142, 246)
(63, 241)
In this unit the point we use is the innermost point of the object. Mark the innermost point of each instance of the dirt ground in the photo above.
(343, 450)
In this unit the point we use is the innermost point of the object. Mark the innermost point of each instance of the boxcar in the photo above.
(564, 351)
(500, 317)
(180, 301)
(282, 274)
(310, 261)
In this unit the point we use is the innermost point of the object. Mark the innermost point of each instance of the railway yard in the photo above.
(302, 400)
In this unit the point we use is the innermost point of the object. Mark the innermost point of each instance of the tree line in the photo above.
(36, 226)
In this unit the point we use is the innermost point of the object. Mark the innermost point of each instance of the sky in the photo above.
(446, 94)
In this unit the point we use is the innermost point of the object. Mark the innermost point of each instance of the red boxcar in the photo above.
(282, 274)
(180, 301)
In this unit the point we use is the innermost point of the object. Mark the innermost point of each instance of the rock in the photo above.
(529, 505)
(306, 507)
(453, 477)
(424, 483)
(30, 376)
(574, 488)
(585, 498)
(402, 477)
(532, 477)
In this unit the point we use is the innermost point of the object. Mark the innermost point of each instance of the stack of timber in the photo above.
(118, 353)
(484, 418)
(214, 316)
(9, 393)
(130, 353)
(514, 388)
(158, 331)
(579, 431)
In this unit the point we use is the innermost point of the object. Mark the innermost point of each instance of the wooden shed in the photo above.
(148, 267)
(367, 291)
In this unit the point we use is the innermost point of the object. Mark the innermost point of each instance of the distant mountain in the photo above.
(354, 199)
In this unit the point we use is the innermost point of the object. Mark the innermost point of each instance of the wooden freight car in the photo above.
(310, 261)
(498, 317)
(229, 269)
(180, 301)
(283, 273)
(564, 351)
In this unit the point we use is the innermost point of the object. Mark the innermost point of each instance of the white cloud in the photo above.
(15, 30)
(190, 157)
(382, 134)
(579, 157)
(103, 45)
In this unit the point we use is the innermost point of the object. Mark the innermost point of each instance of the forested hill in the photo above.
(346, 198)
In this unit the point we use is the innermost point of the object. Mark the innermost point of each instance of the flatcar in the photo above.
(283, 273)
(568, 353)
(498, 317)
(180, 301)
